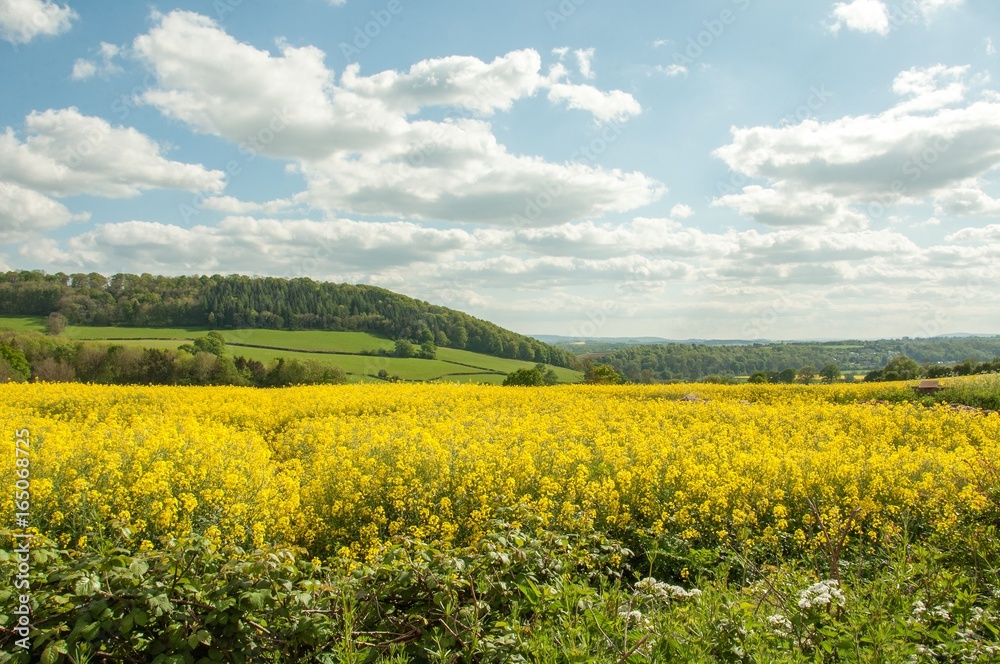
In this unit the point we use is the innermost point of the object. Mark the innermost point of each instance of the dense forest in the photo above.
(695, 361)
(237, 301)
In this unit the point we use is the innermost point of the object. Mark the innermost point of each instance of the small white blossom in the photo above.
(940, 612)
(652, 589)
(780, 625)
(633, 617)
(821, 594)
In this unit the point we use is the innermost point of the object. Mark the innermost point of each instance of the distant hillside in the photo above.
(695, 361)
(583, 346)
(236, 301)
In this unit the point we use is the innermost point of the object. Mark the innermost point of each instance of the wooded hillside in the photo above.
(237, 301)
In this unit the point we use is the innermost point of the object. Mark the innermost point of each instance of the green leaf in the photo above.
(90, 632)
(255, 600)
(160, 604)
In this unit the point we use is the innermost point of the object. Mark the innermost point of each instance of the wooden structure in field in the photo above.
(929, 387)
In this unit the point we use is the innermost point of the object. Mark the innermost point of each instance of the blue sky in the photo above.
(720, 169)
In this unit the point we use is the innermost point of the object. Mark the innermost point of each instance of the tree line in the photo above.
(906, 368)
(206, 361)
(237, 301)
(692, 362)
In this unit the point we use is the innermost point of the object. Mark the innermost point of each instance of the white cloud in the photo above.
(930, 143)
(931, 88)
(231, 205)
(813, 278)
(929, 7)
(25, 213)
(605, 106)
(681, 211)
(67, 153)
(880, 17)
(355, 142)
(84, 69)
(261, 246)
(861, 15)
(989, 234)
(991, 48)
(23, 20)
(783, 206)
(561, 52)
(967, 200)
(460, 81)
(584, 60)
(672, 70)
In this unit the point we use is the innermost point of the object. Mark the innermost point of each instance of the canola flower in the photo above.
(341, 470)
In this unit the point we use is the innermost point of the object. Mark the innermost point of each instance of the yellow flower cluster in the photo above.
(342, 469)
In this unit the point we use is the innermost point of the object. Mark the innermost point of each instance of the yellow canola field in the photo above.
(342, 469)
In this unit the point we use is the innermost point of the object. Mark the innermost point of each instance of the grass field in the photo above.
(22, 323)
(340, 349)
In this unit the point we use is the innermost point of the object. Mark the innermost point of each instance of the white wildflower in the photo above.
(780, 625)
(821, 594)
(658, 590)
(633, 617)
(941, 613)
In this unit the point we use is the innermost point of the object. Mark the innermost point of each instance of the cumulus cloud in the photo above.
(861, 15)
(355, 142)
(781, 205)
(263, 246)
(105, 67)
(585, 60)
(672, 70)
(231, 205)
(879, 17)
(681, 211)
(25, 213)
(605, 106)
(967, 200)
(933, 140)
(65, 153)
(987, 234)
(23, 20)
(929, 7)
(459, 81)
(647, 268)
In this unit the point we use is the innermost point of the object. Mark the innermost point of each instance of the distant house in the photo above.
(929, 387)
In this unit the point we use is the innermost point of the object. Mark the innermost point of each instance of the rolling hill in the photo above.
(237, 302)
